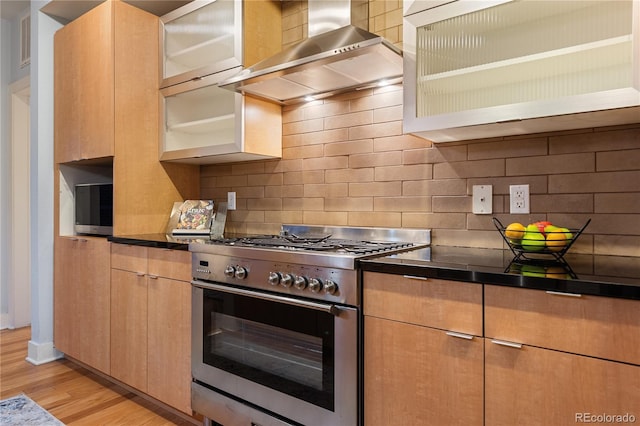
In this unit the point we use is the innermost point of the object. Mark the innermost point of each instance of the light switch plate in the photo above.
(482, 199)
(231, 200)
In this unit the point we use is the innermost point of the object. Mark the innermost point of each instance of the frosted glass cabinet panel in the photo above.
(201, 38)
(200, 115)
(204, 124)
(492, 68)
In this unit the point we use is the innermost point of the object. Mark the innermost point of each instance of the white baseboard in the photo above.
(41, 353)
(4, 320)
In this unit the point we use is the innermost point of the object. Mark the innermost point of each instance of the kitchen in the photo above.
(381, 177)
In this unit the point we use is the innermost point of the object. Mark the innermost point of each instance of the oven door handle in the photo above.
(331, 309)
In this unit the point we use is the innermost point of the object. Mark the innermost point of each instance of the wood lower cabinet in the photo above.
(554, 358)
(129, 327)
(602, 327)
(418, 375)
(535, 386)
(423, 359)
(151, 322)
(81, 298)
(169, 328)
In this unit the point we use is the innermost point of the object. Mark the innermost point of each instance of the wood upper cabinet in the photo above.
(107, 105)
(81, 298)
(423, 359)
(83, 84)
(151, 322)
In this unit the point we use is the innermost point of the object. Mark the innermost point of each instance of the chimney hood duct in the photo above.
(337, 57)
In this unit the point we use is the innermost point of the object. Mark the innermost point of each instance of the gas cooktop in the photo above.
(323, 246)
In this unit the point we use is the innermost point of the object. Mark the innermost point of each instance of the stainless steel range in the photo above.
(277, 324)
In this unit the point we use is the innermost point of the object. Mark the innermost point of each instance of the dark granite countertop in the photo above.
(599, 275)
(154, 240)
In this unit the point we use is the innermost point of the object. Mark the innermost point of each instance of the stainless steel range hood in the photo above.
(339, 56)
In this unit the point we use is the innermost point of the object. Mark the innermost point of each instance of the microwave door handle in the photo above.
(330, 309)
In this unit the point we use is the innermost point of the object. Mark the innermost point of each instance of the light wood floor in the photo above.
(71, 393)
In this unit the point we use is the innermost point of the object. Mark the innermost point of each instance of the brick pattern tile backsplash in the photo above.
(346, 162)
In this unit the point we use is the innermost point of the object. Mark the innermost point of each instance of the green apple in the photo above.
(533, 271)
(533, 241)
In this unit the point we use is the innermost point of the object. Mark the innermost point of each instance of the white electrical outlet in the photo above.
(519, 199)
(482, 199)
(231, 200)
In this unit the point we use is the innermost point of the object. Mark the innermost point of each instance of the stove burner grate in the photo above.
(323, 244)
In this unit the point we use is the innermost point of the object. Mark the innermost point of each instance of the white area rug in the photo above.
(21, 410)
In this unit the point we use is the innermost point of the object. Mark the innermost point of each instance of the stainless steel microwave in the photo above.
(94, 208)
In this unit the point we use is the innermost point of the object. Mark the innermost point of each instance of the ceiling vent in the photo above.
(25, 41)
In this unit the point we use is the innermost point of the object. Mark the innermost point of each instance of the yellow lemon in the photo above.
(515, 231)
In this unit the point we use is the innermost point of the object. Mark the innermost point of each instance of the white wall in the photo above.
(10, 72)
(5, 166)
(43, 27)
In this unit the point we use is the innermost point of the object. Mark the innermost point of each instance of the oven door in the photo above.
(294, 358)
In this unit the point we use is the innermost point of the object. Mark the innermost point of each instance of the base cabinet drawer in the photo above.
(601, 327)
(450, 305)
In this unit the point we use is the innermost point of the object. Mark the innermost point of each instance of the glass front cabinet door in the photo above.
(201, 38)
(476, 69)
(205, 124)
(203, 43)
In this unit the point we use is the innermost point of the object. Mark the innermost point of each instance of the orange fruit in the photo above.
(515, 231)
(556, 241)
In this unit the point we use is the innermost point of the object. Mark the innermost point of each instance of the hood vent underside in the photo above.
(344, 59)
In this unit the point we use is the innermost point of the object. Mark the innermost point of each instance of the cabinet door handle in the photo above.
(459, 335)
(507, 343)
(153, 277)
(83, 240)
(74, 239)
(413, 277)
(561, 293)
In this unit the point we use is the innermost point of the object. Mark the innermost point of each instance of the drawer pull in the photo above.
(506, 343)
(153, 277)
(140, 274)
(460, 335)
(413, 277)
(561, 293)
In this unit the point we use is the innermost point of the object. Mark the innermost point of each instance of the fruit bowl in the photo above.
(540, 238)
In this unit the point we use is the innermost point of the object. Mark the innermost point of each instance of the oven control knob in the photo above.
(274, 278)
(241, 273)
(229, 271)
(300, 282)
(315, 285)
(330, 287)
(286, 280)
